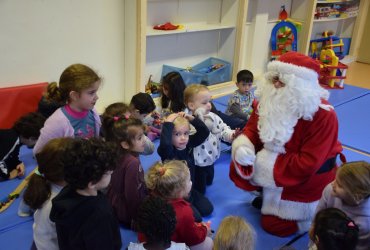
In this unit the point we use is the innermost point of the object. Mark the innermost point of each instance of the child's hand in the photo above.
(21, 170)
(171, 117)
(186, 116)
(208, 226)
(237, 132)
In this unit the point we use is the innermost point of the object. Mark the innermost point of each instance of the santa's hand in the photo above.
(244, 156)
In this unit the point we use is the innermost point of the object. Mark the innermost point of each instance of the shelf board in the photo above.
(188, 28)
(332, 19)
(334, 1)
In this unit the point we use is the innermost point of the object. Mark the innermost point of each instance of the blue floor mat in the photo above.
(354, 124)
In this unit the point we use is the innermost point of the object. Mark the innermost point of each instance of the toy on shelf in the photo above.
(284, 35)
(152, 87)
(168, 26)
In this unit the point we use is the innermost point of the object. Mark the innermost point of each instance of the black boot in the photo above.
(257, 202)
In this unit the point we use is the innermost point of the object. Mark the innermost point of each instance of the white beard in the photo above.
(280, 109)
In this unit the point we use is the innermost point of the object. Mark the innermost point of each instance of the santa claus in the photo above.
(289, 146)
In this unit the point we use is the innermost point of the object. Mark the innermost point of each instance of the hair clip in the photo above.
(351, 224)
(37, 172)
(162, 171)
(115, 118)
(127, 116)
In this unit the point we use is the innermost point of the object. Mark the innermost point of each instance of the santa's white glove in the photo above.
(244, 156)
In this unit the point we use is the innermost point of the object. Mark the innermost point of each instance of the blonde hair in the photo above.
(234, 233)
(355, 179)
(191, 91)
(179, 121)
(167, 179)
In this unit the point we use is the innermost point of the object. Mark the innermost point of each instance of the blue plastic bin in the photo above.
(189, 77)
(222, 74)
(202, 72)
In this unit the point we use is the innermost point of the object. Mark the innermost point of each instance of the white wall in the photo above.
(40, 38)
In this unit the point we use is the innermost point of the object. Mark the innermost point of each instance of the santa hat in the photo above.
(296, 64)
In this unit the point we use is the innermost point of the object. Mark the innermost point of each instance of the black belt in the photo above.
(327, 166)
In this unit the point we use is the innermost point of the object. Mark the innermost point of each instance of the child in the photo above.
(172, 100)
(171, 181)
(197, 98)
(176, 143)
(43, 186)
(350, 193)
(78, 86)
(234, 233)
(49, 102)
(143, 107)
(120, 109)
(25, 131)
(127, 188)
(82, 214)
(240, 103)
(332, 229)
(156, 219)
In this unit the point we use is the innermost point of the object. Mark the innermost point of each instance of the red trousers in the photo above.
(277, 226)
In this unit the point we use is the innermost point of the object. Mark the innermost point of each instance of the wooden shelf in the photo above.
(188, 28)
(334, 1)
(332, 19)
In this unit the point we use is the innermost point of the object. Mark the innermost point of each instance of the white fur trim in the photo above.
(264, 168)
(290, 210)
(291, 69)
(326, 107)
(241, 140)
(274, 148)
(238, 170)
(304, 225)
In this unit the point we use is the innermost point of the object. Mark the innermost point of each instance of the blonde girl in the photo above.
(171, 181)
(77, 90)
(43, 186)
(350, 192)
(234, 233)
(127, 188)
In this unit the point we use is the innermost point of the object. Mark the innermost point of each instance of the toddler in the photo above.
(82, 215)
(127, 188)
(240, 103)
(143, 107)
(332, 229)
(197, 98)
(156, 219)
(350, 192)
(120, 109)
(78, 86)
(172, 100)
(42, 187)
(234, 233)
(25, 131)
(176, 143)
(171, 181)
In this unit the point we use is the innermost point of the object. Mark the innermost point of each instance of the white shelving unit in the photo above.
(211, 28)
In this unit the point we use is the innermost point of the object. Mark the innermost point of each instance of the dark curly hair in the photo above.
(88, 161)
(50, 165)
(29, 125)
(156, 219)
(335, 230)
(175, 86)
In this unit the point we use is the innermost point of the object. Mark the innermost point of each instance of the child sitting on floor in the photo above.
(171, 181)
(240, 103)
(156, 219)
(143, 107)
(350, 192)
(234, 233)
(127, 188)
(332, 229)
(25, 131)
(120, 109)
(172, 99)
(78, 86)
(82, 214)
(176, 143)
(43, 186)
(197, 98)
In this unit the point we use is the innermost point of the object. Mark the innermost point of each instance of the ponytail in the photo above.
(37, 192)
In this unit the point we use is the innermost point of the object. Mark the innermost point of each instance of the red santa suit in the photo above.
(288, 146)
